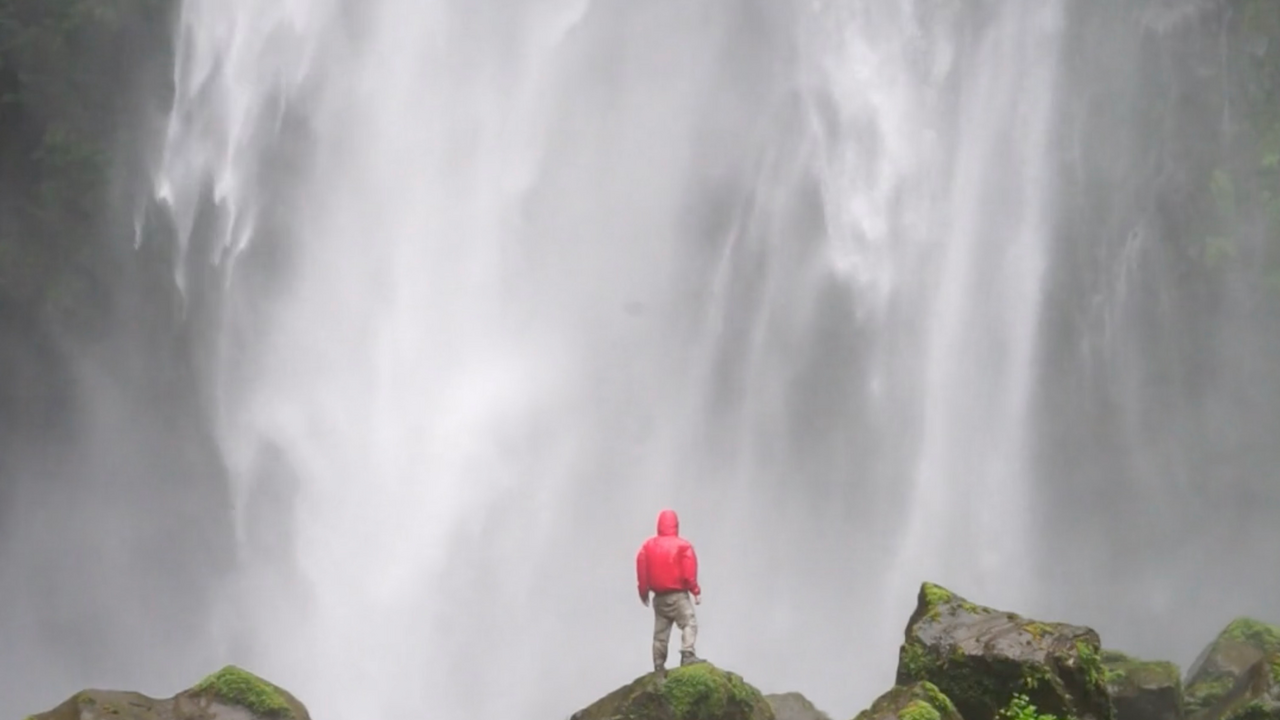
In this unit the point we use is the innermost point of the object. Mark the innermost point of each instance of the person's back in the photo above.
(668, 567)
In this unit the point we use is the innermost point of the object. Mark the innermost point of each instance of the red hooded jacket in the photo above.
(666, 562)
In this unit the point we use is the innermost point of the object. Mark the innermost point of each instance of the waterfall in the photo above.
(498, 281)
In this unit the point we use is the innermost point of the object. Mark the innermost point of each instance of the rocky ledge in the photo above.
(963, 661)
(229, 694)
(958, 661)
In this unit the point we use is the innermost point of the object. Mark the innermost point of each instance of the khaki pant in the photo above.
(668, 608)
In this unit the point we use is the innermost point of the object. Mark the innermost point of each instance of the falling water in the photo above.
(970, 485)
(497, 281)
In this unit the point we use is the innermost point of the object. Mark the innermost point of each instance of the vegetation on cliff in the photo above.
(76, 78)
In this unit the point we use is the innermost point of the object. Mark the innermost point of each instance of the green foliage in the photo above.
(935, 597)
(1021, 708)
(704, 692)
(937, 699)
(1120, 670)
(936, 594)
(1091, 662)
(1255, 710)
(914, 661)
(68, 71)
(919, 710)
(1037, 630)
(911, 701)
(1264, 636)
(1202, 694)
(240, 687)
(1036, 675)
(1211, 686)
(1245, 186)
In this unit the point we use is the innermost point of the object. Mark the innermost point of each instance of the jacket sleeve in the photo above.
(642, 574)
(689, 570)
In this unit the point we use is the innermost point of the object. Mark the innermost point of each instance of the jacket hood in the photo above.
(668, 523)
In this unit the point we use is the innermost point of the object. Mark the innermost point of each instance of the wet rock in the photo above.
(984, 660)
(917, 701)
(1233, 655)
(1141, 689)
(229, 694)
(1255, 695)
(695, 692)
(794, 706)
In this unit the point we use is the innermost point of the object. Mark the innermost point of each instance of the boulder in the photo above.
(794, 706)
(986, 660)
(695, 692)
(1232, 656)
(229, 694)
(1255, 695)
(1142, 689)
(917, 701)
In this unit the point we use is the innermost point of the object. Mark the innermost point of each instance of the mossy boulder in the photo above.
(1143, 689)
(794, 706)
(1234, 653)
(233, 687)
(696, 692)
(917, 701)
(229, 694)
(981, 658)
(1253, 695)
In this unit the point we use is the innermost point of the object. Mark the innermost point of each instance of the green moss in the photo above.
(240, 687)
(1124, 673)
(1037, 630)
(1261, 635)
(1153, 673)
(1256, 710)
(911, 701)
(741, 693)
(937, 699)
(1207, 692)
(935, 595)
(914, 662)
(704, 692)
(919, 710)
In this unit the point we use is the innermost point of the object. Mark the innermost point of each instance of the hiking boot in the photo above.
(688, 658)
(660, 672)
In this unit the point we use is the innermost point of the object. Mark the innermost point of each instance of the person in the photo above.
(668, 567)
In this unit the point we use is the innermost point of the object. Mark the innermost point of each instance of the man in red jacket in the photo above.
(667, 566)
